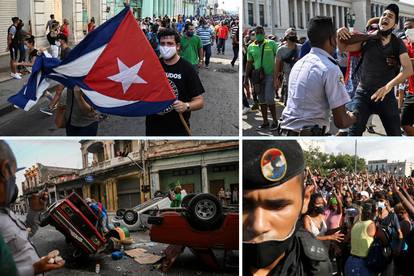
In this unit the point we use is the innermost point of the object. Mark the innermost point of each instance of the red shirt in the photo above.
(65, 30)
(410, 49)
(222, 31)
(91, 27)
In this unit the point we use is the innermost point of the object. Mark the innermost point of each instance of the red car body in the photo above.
(76, 218)
(173, 228)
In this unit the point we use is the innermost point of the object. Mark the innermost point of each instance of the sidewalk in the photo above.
(11, 86)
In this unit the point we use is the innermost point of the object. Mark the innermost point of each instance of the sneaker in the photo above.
(207, 66)
(46, 110)
(218, 53)
(16, 76)
(55, 107)
(262, 126)
(104, 116)
(223, 53)
(273, 127)
(246, 110)
(370, 129)
(255, 106)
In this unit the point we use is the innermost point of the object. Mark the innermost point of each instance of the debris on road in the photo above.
(141, 257)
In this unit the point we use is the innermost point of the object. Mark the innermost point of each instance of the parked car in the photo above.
(209, 230)
(136, 218)
(76, 221)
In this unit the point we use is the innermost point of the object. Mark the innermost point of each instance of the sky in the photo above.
(229, 5)
(58, 153)
(391, 149)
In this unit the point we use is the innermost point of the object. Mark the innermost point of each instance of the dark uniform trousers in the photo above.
(307, 256)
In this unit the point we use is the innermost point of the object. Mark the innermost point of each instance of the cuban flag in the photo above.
(115, 66)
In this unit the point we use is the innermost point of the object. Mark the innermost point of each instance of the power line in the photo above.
(26, 147)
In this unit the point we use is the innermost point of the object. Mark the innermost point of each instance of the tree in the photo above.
(329, 162)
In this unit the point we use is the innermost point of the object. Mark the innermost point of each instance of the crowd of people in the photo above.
(332, 75)
(342, 216)
(178, 43)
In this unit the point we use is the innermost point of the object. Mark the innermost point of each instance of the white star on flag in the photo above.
(127, 76)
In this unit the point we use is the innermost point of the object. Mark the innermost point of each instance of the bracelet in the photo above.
(403, 201)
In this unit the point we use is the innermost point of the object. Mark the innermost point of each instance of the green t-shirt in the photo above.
(189, 48)
(254, 53)
(7, 264)
(176, 203)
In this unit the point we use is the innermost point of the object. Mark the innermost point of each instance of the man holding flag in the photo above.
(123, 83)
(186, 85)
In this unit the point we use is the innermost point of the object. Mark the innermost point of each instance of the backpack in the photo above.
(153, 41)
(387, 248)
(395, 46)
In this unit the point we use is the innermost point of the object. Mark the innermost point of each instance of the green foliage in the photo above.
(329, 162)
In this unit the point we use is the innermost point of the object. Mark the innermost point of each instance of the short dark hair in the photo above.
(409, 19)
(381, 195)
(258, 28)
(31, 39)
(368, 209)
(15, 19)
(51, 16)
(155, 28)
(320, 29)
(6, 153)
(187, 25)
(169, 32)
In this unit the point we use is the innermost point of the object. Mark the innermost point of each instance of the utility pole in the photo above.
(356, 156)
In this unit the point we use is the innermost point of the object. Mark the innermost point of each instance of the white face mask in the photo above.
(409, 33)
(57, 43)
(167, 52)
(253, 38)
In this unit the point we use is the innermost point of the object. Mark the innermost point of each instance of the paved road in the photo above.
(48, 239)
(254, 118)
(219, 117)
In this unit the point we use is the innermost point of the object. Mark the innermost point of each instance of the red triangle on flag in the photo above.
(128, 68)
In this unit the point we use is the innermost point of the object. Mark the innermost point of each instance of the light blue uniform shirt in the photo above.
(316, 86)
(205, 35)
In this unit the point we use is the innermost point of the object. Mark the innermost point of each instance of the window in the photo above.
(183, 172)
(261, 14)
(301, 21)
(224, 168)
(250, 13)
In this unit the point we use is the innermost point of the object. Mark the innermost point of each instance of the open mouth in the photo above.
(384, 24)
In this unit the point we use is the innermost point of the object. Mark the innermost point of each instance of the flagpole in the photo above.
(185, 124)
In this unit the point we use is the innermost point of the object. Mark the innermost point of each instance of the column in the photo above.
(277, 13)
(343, 17)
(160, 8)
(72, 10)
(310, 10)
(267, 13)
(171, 14)
(378, 11)
(155, 8)
(95, 9)
(324, 9)
(245, 13)
(38, 19)
(304, 25)
(154, 182)
(204, 179)
(337, 17)
(256, 15)
(317, 10)
(284, 16)
(295, 9)
(331, 11)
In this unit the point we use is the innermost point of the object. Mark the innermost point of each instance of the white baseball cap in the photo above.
(365, 193)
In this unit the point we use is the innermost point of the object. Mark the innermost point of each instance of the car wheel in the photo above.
(186, 200)
(158, 193)
(45, 218)
(130, 217)
(120, 213)
(204, 209)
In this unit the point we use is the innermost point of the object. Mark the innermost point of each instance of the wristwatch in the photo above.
(188, 107)
(201, 61)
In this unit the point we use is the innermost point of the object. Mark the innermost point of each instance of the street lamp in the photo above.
(351, 20)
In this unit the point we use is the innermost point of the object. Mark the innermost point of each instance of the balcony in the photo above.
(117, 161)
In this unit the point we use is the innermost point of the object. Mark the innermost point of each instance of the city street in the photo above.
(254, 118)
(48, 239)
(217, 118)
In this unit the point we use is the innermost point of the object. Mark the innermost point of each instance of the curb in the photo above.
(7, 107)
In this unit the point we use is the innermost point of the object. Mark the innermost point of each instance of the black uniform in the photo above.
(307, 256)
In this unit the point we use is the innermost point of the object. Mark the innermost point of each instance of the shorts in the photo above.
(407, 111)
(13, 51)
(267, 91)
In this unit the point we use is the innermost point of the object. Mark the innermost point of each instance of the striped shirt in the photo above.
(234, 30)
(205, 35)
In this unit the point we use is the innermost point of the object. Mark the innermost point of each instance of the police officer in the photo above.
(274, 199)
(15, 232)
(316, 87)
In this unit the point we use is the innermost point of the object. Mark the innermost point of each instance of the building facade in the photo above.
(396, 168)
(297, 13)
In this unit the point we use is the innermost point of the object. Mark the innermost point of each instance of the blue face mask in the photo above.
(26, 48)
(205, 26)
(190, 33)
(381, 205)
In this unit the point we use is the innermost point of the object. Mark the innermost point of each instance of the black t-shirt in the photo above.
(64, 53)
(32, 54)
(13, 31)
(376, 72)
(51, 39)
(186, 85)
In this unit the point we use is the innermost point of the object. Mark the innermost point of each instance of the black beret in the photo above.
(269, 163)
